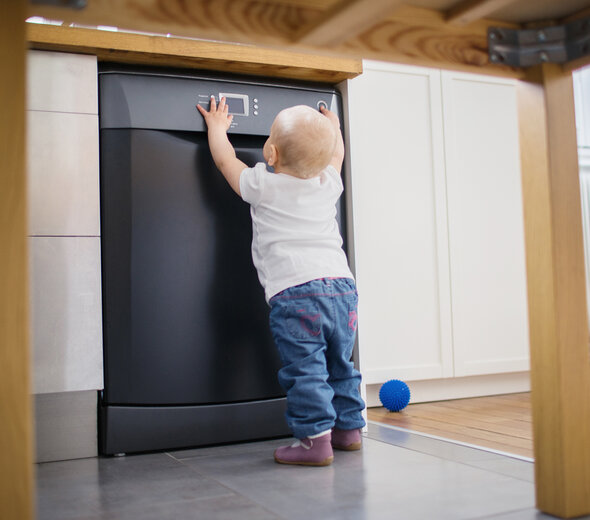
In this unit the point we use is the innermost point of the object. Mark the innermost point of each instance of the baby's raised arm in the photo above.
(218, 122)
(338, 156)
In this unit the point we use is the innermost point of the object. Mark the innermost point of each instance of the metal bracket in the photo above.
(71, 4)
(527, 47)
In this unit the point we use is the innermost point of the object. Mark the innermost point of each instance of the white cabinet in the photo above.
(438, 230)
(399, 207)
(485, 225)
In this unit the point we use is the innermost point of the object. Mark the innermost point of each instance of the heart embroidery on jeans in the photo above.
(352, 319)
(307, 322)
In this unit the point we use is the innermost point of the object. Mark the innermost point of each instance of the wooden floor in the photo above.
(500, 422)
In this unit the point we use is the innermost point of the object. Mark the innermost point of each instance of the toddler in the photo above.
(297, 251)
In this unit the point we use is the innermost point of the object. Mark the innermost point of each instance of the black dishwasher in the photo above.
(189, 359)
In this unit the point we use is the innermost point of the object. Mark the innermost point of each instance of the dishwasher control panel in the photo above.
(238, 104)
(168, 102)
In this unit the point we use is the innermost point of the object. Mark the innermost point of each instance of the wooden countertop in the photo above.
(157, 50)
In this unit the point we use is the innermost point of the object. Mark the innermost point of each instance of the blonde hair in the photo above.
(305, 140)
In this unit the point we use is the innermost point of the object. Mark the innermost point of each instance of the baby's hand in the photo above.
(217, 116)
(331, 116)
(338, 155)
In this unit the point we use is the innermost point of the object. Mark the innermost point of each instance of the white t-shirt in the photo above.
(295, 234)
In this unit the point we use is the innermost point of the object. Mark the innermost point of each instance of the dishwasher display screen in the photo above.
(237, 103)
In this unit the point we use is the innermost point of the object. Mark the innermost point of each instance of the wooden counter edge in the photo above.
(189, 53)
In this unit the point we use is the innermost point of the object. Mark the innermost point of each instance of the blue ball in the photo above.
(394, 395)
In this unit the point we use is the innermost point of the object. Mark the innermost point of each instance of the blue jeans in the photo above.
(314, 328)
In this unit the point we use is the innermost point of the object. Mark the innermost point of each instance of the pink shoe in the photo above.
(347, 440)
(307, 452)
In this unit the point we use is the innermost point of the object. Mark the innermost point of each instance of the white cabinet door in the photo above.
(399, 219)
(486, 228)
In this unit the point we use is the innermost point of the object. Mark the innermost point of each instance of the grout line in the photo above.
(63, 236)
(48, 111)
(229, 487)
(452, 441)
(172, 457)
(503, 513)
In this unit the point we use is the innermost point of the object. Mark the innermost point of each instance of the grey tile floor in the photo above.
(396, 475)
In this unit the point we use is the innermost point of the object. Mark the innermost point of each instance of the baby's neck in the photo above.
(287, 171)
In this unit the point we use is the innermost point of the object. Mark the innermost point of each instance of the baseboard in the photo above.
(66, 425)
(458, 388)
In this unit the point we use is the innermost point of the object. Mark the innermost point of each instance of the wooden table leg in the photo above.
(560, 358)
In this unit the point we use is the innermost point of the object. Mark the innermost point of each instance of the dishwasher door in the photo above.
(187, 322)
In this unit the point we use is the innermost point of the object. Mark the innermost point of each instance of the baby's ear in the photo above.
(273, 155)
